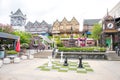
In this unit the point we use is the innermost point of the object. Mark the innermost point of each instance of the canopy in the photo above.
(9, 36)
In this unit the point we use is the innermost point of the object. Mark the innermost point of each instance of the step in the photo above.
(43, 54)
(112, 56)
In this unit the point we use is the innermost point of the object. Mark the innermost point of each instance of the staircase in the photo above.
(111, 55)
(43, 54)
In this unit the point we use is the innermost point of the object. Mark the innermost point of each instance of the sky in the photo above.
(50, 10)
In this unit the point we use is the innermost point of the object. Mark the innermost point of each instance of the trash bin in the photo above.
(2, 54)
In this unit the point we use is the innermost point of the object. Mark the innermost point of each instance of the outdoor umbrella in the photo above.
(18, 45)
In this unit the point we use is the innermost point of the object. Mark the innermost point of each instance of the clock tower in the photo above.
(108, 23)
(18, 20)
(109, 32)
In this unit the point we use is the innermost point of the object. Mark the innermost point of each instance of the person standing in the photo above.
(118, 49)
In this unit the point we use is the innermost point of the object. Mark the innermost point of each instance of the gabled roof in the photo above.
(64, 21)
(44, 23)
(91, 22)
(18, 13)
(74, 21)
(56, 23)
(29, 24)
(36, 23)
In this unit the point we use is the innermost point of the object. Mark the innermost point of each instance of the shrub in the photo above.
(102, 49)
(59, 44)
(24, 45)
(78, 49)
(11, 52)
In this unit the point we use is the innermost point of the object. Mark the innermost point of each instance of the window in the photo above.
(61, 27)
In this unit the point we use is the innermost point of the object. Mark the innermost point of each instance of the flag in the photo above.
(18, 45)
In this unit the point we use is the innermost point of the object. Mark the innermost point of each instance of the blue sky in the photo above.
(50, 10)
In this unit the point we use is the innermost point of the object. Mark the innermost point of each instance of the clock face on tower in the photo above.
(110, 25)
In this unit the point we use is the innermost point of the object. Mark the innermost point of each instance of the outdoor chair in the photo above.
(6, 60)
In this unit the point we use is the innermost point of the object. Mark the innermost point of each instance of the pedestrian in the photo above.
(116, 49)
(119, 49)
(48, 46)
(53, 52)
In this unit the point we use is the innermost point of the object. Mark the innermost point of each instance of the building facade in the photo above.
(66, 30)
(111, 28)
(63, 28)
(42, 28)
(88, 25)
(18, 20)
(115, 12)
(87, 30)
(110, 34)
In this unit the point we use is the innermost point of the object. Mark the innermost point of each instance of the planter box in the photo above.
(85, 55)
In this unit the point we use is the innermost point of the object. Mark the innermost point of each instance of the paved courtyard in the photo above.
(27, 70)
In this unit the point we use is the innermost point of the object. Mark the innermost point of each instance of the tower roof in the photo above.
(108, 17)
(18, 13)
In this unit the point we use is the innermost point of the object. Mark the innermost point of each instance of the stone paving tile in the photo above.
(27, 70)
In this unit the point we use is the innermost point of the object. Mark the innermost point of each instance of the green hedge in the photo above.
(11, 52)
(78, 49)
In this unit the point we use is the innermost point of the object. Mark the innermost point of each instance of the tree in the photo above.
(24, 36)
(6, 28)
(96, 32)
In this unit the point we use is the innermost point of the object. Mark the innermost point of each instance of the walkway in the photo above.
(43, 54)
(27, 70)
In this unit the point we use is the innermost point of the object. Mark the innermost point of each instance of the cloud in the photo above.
(50, 10)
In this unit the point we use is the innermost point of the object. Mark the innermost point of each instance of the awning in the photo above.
(9, 36)
(88, 32)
